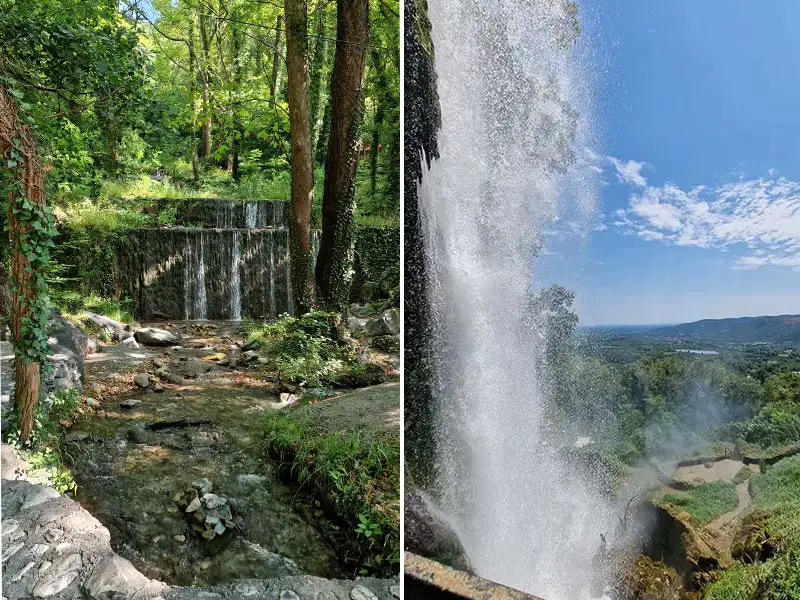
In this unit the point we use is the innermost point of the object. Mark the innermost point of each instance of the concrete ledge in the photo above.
(428, 579)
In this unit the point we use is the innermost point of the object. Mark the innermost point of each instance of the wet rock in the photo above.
(76, 437)
(130, 403)
(287, 398)
(141, 380)
(151, 336)
(194, 368)
(359, 592)
(288, 595)
(359, 310)
(213, 501)
(428, 534)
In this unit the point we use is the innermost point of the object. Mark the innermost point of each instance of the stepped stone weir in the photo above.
(203, 273)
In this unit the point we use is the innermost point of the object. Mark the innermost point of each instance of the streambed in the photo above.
(130, 474)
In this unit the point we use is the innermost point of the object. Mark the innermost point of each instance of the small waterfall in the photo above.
(214, 272)
(236, 293)
(271, 268)
(200, 299)
(250, 214)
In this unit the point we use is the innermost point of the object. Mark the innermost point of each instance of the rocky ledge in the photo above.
(53, 548)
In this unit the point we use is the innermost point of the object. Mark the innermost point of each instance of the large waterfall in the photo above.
(514, 115)
(233, 262)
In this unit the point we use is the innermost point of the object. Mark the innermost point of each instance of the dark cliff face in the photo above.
(422, 123)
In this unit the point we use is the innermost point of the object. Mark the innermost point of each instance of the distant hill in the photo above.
(773, 329)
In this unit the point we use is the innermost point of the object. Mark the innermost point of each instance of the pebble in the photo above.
(193, 505)
(179, 538)
(21, 574)
(361, 593)
(132, 402)
(141, 380)
(204, 485)
(92, 403)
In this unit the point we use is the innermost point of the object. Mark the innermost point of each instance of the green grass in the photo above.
(358, 473)
(705, 502)
(736, 583)
(73, 303)
(778, 491)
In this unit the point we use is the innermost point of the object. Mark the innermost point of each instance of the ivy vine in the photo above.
(33, 237)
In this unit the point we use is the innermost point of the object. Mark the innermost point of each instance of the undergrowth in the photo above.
(73, 303)
(42, 451)
(359, 475)
(307, 349)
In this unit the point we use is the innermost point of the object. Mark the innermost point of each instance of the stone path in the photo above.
(53, 548)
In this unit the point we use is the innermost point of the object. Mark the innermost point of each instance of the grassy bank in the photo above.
(769, 554)
(706, 502)
(346, 451)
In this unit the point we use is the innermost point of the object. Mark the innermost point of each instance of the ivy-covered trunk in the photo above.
(30, 228)
(302, 256)
(338, 202)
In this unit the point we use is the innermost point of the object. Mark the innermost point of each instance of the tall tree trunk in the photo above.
(302, 257)
(14, 136)
(377, 121)
(321, 150)
(205, 88)
(193, 83)
(317, 67)
(338, 201)
(276, 59)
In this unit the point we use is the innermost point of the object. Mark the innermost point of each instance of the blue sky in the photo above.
(698, 136)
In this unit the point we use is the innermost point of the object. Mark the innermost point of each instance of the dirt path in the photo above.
(720, 533)
(129, 473)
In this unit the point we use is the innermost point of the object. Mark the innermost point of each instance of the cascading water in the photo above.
(509, 86)
(236, 292)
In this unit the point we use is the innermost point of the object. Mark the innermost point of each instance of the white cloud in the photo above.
(629, 172)
(758, 217)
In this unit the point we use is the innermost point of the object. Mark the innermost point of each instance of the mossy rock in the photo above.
(387, 343)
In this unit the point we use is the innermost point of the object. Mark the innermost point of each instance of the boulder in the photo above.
(116, 330)
(387, 323)
(64, 334)
(428, 534)
(130, 342)
(152, 336)
(141, 380)
(66, 370)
